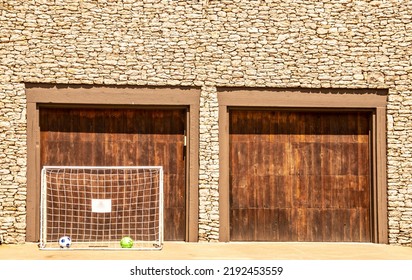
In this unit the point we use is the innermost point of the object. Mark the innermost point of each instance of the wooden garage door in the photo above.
(122, 137)
(299, 176)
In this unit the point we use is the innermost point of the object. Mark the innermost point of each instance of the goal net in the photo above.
(96, 207)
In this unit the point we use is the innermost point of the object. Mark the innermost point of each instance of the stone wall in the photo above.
(208, 165)
(12, 163)
(400, 166)
(207, 44)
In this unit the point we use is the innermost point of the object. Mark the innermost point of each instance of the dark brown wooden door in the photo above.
(299, 176)
(122, 137)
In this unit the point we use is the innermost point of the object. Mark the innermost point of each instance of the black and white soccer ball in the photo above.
(65, 242)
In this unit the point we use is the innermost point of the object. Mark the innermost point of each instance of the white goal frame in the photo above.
(99, 207)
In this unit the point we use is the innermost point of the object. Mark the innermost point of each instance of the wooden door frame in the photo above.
(319, 99)
(111, 97)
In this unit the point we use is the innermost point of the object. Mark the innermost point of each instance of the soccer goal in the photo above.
(97, 207)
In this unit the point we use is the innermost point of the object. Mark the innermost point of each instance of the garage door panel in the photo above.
(354, 232)
(240, 150)
(316, 225)
(312, 170)
(306, 225)
(242, 198)
(304, 158)
(344, 225)
(300, 220)
(174, 223)
(339, 222)
(363, 156)
(286, 225)
(278, 153)
(260, 218)
(176, 196)
(283, 193)
(259, 197)
(315, 191)
(243, 222)
(365, 228)
(364, 192)
(300, 191)
(263, 219)
(265, 192)
(334, 194)
(342, 158)
(112, 152)
(259, 158)
(359, 229)
(332, 159)
(239, 194)
(334, 224)
(118, 137)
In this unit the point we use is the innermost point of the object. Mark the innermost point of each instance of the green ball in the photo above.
(126, 242)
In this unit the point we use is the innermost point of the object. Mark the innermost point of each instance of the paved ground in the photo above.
(221, 251)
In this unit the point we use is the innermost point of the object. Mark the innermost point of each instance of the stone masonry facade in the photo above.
(206, 44)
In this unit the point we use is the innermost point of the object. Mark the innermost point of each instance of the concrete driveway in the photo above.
(221, 251)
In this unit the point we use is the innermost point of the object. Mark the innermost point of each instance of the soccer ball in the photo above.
(126, 242)
(65, 242)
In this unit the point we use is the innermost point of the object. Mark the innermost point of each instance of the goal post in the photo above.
(97, 206)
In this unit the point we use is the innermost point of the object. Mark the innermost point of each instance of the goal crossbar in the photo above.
(96, 206)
